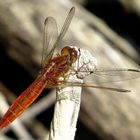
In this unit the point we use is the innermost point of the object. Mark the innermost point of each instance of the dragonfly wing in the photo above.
(113, 75)
(107, 76)
(95, 86)
(51, 38)
(50, 35)
(65, 26)
(63, 30)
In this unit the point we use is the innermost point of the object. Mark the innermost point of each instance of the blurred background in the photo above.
(109, 29)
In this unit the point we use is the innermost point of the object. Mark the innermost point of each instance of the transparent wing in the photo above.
(107, 76)
(64, 29)
(113, 75)
(96, 86)
(49, 38)
(71, 84)
(50, 42)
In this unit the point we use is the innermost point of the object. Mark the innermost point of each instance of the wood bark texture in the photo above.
(109, 114)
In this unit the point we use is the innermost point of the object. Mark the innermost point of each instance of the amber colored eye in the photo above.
(70, 52)
(65, 51)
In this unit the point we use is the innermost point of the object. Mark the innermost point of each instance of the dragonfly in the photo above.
(54, 66)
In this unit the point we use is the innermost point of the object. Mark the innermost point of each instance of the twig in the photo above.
(68, 99)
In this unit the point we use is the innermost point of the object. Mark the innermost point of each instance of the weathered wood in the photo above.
(132, 6)
(110, 115)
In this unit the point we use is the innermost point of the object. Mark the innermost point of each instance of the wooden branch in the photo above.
(131, 6)
(108, 114)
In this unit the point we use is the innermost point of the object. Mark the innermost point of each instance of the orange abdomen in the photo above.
(23, 101)
(55, 68)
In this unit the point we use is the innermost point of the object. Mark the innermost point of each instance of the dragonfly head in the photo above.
(71, 53)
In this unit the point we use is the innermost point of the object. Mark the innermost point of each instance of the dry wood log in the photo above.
(131, 6)
(110, 115)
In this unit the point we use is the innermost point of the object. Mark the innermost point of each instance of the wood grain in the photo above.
(111, 115)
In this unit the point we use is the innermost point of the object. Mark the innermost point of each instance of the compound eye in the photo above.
(70, 52)
(65, 51)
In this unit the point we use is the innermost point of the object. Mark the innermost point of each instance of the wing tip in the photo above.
(134, 70)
